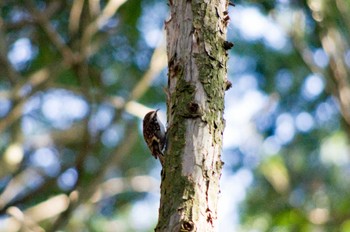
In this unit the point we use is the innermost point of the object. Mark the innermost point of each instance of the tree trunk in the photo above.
(196, 49)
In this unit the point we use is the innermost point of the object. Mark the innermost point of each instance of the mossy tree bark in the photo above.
(197, 56)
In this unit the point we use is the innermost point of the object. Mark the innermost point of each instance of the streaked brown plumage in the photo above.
(154, 134)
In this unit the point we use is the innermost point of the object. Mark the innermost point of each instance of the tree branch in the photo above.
(42, 19)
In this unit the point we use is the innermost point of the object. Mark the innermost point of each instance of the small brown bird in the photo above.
(154, 134)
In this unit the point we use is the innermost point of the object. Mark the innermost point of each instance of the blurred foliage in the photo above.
(302, 165)
(70, 110)
(73, 84)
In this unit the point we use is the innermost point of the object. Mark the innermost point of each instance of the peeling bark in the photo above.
(197, 56)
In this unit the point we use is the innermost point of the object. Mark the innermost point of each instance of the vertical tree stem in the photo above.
(197, 57)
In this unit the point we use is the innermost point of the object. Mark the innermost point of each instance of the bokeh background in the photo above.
(77, 76)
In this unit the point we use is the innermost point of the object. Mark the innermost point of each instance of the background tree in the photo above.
(73, 78)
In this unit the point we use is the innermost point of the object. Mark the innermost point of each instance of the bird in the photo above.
(154, 134)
